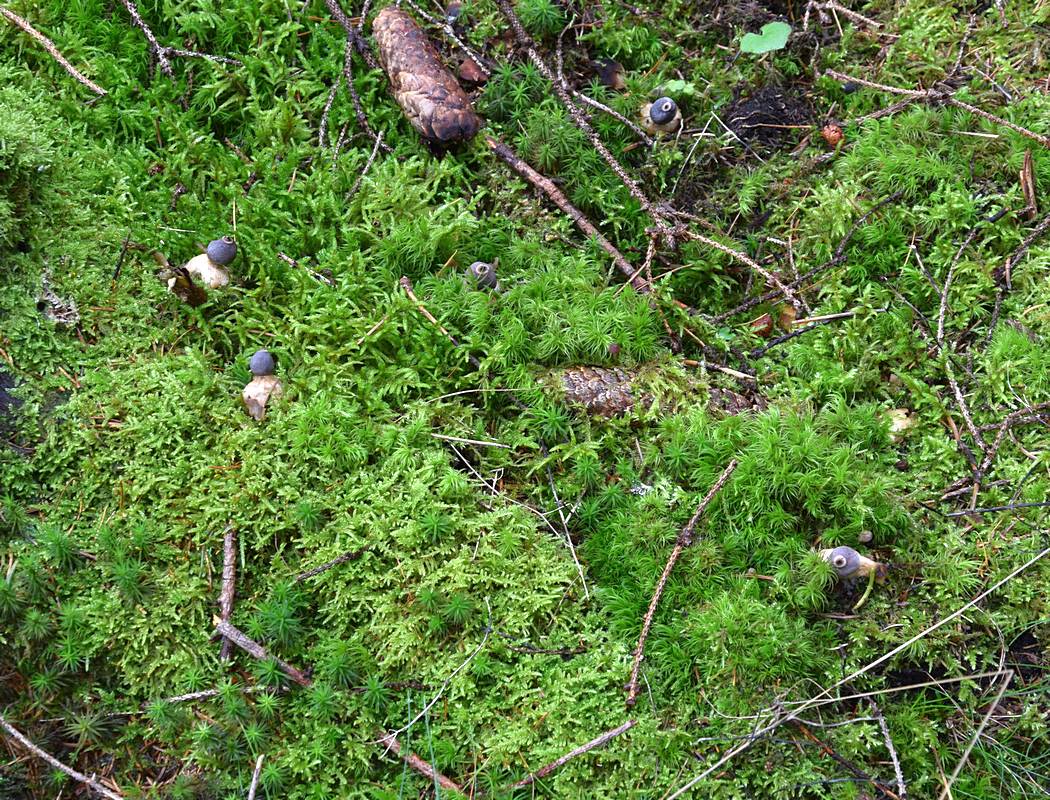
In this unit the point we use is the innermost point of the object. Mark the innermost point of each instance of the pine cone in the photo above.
(427, 92)
(601, 390)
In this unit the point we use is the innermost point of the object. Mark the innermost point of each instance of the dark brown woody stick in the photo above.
(685, 539)
(419, 765)
(15, 734)
(48, 45)
(545, 185)
(350, 556)
(229, 579)
(597, 742)
(256, 650)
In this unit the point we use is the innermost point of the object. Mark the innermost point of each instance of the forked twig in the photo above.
(685, 539)
(593, 744)
(162, 53)
(19, 737)
(256, 650)
(48, 45)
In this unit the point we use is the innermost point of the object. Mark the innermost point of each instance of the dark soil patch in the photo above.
(771, 117)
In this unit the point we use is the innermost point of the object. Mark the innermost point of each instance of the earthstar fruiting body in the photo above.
(662, 115)
(484, 274)
(259, 391)
(848, 563)
(262, 363)
(222, 251)
(427, 92)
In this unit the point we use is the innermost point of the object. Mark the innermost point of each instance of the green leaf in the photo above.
(774, 36)
(679, 88)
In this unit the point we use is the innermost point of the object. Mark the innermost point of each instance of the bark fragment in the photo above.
(427, 92)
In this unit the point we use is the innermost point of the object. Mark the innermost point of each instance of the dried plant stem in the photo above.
(19, 737)
(685, 539)
(419, 765)
(48, 45)
(556, 196)
(368, 165)
(946, 792)
(255, 776)
(593, 744)
(902, 789)
(829, 751)
(229, 580)
(256, 650)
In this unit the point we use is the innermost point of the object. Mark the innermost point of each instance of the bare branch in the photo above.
(593, 744)
(48, 45)
(256, 650)
(11, 731)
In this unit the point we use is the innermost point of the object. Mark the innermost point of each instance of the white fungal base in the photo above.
(258, 393)
(210, 274)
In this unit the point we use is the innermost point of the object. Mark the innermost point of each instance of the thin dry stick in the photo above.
(419, 765)
(451, 34)
(765, 273)
(685, 538)
(322, 133)
(256, 650)
(11, 731)
(580, 120)
(479, 442)
(562, 202)
(593, 744)
(835, 756)
(255, 776)
(368, 166)
(406, 284)
(448, 680)
(977, 735)
(48, 45)
(159, 52)
(902, 789)
(818, 699)
(568, 536)
(229, 579)
(350, 556)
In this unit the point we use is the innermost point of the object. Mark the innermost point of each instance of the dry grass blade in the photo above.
(594, 743)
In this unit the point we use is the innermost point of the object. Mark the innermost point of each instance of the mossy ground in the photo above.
(130, 454)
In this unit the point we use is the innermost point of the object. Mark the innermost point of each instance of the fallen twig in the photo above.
(685, 539)
(13, 732)
(829, 751)
(419, 765)
(255, 776)
(593, 744)
(349, 556)
(160, 52)
(368, 166)
(48, 45)
(525, 41)
(257, 651)
(229, 579)
(902, 789)
(545, 185)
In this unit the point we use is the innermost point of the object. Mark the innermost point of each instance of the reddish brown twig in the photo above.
(419, 765)
(685, 539)
(229, 580)
(556, 196)
(19, 737)
(350, 556)
(578, 118)
(48, 45)
(857, 772)
(256, 650)
(593, 744)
